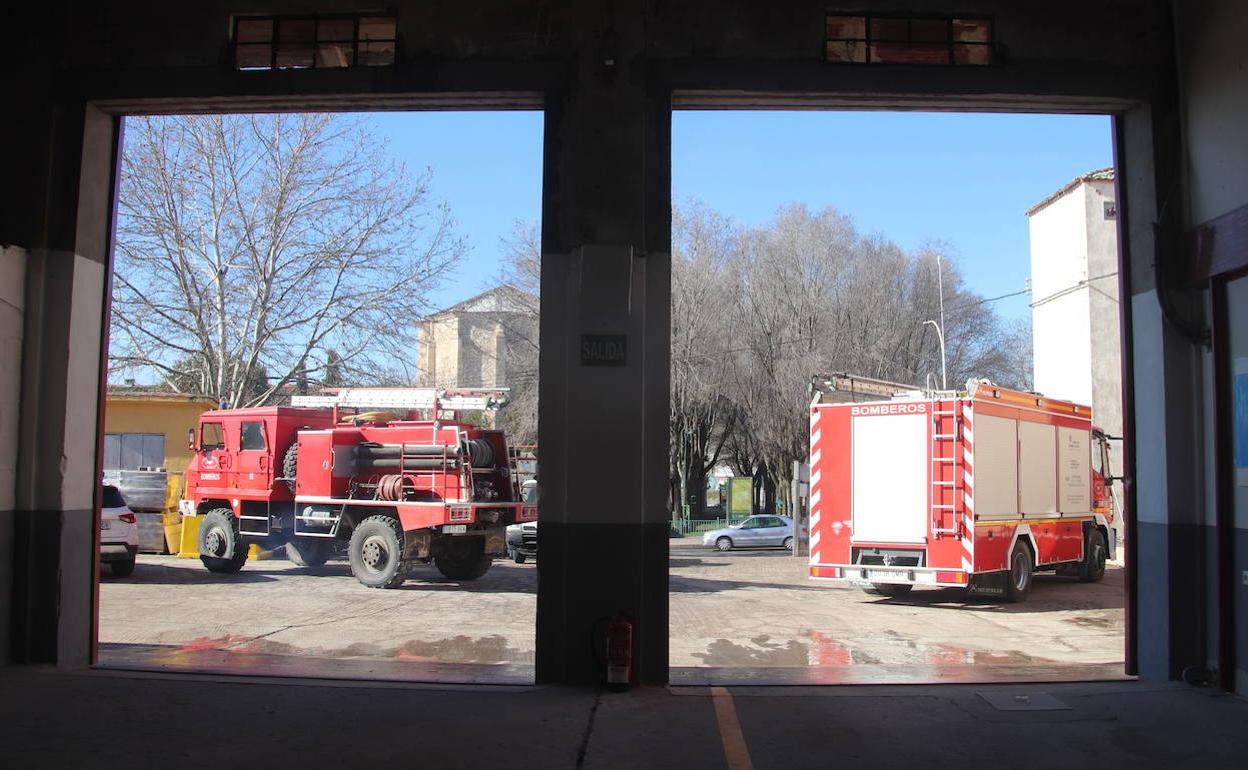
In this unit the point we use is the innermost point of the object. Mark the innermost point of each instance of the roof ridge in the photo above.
(1099, 175)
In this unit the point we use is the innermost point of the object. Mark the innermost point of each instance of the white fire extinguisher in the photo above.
(619, 654)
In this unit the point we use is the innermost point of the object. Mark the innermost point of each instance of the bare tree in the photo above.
(702, 417)
(521, 273)
(810, 293)
(275, 245)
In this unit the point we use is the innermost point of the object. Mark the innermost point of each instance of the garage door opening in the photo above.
(896, 399)
(319, 437)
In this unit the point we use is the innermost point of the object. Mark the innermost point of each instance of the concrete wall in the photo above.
(1075, 306)
(1213, 83)
(465, 350)
(12, 326)
(1060, 324)
(439, 351)
(607, 74)
(168, 416)
(1104, 315)
(1213, 67)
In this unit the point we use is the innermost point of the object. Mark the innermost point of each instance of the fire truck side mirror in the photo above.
(190, 439)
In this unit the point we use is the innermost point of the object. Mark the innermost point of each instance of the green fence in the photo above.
(684, 527)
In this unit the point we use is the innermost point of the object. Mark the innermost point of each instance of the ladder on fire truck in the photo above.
(945, 485)
(432, 399)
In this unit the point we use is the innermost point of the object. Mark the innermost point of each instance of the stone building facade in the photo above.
(479, 342)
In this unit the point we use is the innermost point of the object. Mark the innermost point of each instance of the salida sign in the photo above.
(604, 349)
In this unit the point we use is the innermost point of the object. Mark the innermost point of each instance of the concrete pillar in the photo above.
(603, 433)
(1164, 442)
(57, 475)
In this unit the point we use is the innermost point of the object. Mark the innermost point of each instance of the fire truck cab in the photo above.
(406, 482)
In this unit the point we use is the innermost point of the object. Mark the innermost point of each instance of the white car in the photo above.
(522, 541)
(119, 533)
(755, 532)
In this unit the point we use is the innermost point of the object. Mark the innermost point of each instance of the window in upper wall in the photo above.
(866, 39)
(313, 42)
(132, 451)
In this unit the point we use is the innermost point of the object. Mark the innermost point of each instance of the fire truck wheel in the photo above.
(518, 558)
(1093, 567)
(290, 463)
(221, 547)
(1020, 574)
(376, 552)
(307, 551)
(463, 558)
(723, 544)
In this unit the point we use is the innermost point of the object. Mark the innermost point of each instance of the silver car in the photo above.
(763, 531)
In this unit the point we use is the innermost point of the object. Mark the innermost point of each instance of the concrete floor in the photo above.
(740, 617)
(757, 611)
(273, 607)
(112, 720)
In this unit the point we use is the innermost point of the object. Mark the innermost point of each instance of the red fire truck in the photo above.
(406, 482)
(978, 489)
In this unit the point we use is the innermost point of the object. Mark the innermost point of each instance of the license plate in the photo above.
(888, 574)
(454, 529)
(105, 525)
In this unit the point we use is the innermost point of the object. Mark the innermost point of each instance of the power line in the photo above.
(992, 299)
(1085, 283)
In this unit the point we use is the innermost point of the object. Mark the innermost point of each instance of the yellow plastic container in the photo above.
(189, 544)
(188, 547)
(173, 532)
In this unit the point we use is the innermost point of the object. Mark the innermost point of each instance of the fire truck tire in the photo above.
(307, 551)
(376, 552)
(1093, 567)
(290, 463)
(221, 547)
(518, 558)
(463, 559)
(1021, 573)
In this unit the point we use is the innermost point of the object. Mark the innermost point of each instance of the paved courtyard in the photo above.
(750, 614)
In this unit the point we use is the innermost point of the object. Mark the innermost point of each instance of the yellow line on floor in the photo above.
(736, 752)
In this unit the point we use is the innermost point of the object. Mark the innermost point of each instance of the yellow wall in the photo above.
(171, 416)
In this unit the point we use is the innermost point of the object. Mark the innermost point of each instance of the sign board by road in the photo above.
(741, 495)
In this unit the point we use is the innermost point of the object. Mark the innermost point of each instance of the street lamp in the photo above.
(940, 335)
(940, 327)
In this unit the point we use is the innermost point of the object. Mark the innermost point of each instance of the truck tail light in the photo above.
(951, 577)
(128, 518)
(460, 513)
(825, 572)
(528, 513)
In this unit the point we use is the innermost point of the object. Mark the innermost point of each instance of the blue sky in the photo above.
(964, 179)
(487, 166)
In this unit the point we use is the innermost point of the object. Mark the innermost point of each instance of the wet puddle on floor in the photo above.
(458, 649)
(1086, 621)
(820, 650)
